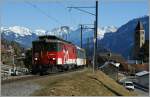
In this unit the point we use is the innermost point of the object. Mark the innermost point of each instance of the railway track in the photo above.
(31, 77)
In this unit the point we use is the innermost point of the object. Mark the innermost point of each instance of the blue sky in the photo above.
(49, 14)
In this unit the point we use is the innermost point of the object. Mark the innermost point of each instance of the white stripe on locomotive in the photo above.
(68, 61)
(81, 61)
(59, 61)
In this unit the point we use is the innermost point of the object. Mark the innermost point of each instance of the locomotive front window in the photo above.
(81, 54)
(38, 46)
(53, 47)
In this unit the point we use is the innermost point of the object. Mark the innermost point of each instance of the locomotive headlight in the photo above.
(35, 58)
(53, 58)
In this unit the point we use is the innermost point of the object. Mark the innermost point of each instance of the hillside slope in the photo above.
(122, 40)
(80, 83)
(7, 52)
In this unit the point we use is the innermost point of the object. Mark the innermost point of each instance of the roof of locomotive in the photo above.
(47, 38)
(79, 48)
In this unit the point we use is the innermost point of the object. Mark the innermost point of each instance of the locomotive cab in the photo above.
(52, 49)
(50, 53)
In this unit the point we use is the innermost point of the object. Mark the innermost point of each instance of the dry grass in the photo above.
(112, 85)
(79, 84)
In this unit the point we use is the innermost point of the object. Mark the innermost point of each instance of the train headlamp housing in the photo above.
(36, 59)
(54, 58)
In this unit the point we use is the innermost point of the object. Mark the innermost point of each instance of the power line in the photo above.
(72, 20)
(79, 8)
(83, 7)
(44, 13)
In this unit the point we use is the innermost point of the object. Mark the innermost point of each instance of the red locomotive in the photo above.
(51, 53)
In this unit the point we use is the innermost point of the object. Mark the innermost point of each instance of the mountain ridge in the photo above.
(122, 40)
(118, 40)
(25, 36)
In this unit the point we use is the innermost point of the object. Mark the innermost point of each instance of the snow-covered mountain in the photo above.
(21, 31)
(122, 40)
(22, 35)
(119, 40)
(25, 36)
(75, 35)
(106, 29)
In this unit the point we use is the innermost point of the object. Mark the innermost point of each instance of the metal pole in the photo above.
(96, 24)
(94, 57)
(95, 32)
(95, 36)
(81, 35)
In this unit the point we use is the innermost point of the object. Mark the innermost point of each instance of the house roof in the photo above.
(142, 73)
(116, 64)
(110, 63)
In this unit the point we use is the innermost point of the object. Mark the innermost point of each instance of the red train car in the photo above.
(51, 53)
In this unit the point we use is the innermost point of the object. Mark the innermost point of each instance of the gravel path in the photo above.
(19, 88)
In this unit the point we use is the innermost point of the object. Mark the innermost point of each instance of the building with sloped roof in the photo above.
(143, 78)
(139, 39)
(141, 46)
(111, 69)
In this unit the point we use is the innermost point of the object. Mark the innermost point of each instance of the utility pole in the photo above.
(94, 55)
(95, 32)
(96, 28)
(95, 37)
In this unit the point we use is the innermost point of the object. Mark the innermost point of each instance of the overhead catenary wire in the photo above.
(66, 35)
(72, 18)
(78, 8)
(43, 12)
